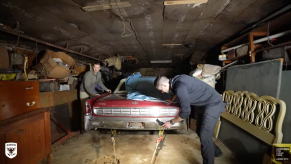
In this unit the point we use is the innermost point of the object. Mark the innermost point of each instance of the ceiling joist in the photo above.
(184, 2)
(107, 6)
(172, 44)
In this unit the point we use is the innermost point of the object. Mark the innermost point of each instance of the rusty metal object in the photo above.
(44, 42)
(272, 47)
(107, 6)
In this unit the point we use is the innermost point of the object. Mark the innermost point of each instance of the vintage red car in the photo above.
(115, 111)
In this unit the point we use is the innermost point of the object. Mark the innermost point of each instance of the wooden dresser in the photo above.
(18, 97)
(22, 122)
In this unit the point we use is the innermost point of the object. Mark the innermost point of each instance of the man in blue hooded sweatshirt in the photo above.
(191, 91)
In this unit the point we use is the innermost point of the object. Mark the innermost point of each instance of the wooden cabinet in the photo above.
(23, 123)
(18, 97)
(31, 132)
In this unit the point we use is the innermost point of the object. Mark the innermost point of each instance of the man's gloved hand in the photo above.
(96, 94)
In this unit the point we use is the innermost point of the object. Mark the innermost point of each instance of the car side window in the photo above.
(121, 87)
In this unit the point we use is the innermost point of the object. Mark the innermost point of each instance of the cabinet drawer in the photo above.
(18, 97)
(16, 107)
(18, 88)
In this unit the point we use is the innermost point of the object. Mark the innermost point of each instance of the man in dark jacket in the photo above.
(191, 91)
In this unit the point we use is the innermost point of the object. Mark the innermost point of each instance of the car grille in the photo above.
(153, 111)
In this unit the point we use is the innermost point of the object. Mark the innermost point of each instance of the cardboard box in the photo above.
(79, 69)
(51, 68)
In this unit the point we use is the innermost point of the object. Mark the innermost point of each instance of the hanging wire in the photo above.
(136, 36)
(124, 25)
(268, 34)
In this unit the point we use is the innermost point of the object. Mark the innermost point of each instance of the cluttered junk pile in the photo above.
(55, 65)
(45, 66)
(56, 71)
(209, 73)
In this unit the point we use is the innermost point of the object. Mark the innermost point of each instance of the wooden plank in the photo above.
(172, 44)
(47, 134)
(49, 99)
(70, 97)
(184, 2)
(252, 129)
(107, 6)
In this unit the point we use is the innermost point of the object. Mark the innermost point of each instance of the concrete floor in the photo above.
(134, 147)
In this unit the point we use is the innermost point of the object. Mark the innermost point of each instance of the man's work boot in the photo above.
(219, 154)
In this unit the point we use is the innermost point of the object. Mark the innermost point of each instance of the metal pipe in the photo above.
(44, 42)
(259, 40)
(230, 64)
(275, 46)
(268, 18)
(225, 67)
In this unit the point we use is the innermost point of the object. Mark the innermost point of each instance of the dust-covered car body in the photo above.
(115, 111)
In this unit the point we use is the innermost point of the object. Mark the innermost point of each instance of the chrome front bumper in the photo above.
(128, 123)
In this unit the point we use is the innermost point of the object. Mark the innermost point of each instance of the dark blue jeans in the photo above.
(205, 125)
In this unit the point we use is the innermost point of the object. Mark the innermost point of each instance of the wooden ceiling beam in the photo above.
(184, 2)
(107, 6)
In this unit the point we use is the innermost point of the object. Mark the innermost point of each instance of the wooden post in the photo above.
(251, 44)
(252, 47)
(49, 159)
(223, 64)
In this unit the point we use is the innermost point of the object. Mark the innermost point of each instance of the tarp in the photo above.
(142, 88)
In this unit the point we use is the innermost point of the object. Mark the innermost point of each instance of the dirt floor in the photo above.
(134, 147)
